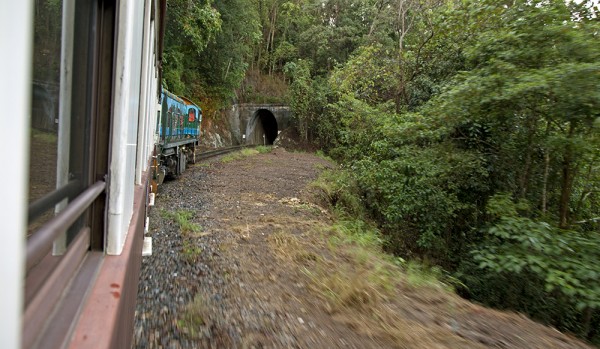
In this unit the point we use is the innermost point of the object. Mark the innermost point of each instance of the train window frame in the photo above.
(63, 255)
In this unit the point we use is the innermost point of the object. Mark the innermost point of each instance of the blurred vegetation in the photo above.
(47, 41)
(244, 153)
(189, 230)
(468, 131)
(194, 316)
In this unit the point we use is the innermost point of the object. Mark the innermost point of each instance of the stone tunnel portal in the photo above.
(263, 129)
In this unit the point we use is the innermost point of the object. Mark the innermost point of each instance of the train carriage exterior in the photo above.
(81, 78)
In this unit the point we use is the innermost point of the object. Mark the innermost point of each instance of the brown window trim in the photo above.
(42, 304)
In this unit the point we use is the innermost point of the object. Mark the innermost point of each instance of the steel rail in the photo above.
(216, 152)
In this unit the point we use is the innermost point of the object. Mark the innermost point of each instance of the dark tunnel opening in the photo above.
(269, 125)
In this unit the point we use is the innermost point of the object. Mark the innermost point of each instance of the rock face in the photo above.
(287, 139)
(216, 134)
(213, 140)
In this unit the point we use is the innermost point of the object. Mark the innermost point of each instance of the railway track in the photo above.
(212, 153)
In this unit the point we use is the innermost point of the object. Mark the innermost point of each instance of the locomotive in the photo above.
(178, 130)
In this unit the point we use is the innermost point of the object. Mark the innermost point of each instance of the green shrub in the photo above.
(567, 261)
(552, 274)
(339, 189)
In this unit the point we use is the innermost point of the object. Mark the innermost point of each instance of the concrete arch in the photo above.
(262, 128)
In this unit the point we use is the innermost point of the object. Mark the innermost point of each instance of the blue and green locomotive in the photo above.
(178, 129)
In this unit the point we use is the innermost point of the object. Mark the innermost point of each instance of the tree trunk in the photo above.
(544, 200)
(404, 25)
(586, 322)
(587, 179)
(566, 182)
(545, 184)
(524, 180)
(271, 39)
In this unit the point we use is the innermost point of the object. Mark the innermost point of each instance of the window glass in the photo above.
(60, 112)
(45, 102)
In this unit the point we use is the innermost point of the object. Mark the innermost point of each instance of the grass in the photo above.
(357, 231)
(284, 244)
(189, 231)
(344, 262)
(48, 137)
(190, 251)
(420, 274)
(194, 316)
(351, 227)
(350, 287)
(300, 206)
(238, 155)
(360, 283)
(182, 218)
(354, 278)
(289, 247)
(244, 153)
(263, 149)
(307, 208)
(319, 153)
(367, 275)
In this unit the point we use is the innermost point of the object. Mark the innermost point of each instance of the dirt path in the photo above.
(265, 271)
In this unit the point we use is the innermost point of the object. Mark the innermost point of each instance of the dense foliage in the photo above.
(449, 110)
(470, 129)
(191, 26)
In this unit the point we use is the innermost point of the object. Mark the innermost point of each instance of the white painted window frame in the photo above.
(16, 33)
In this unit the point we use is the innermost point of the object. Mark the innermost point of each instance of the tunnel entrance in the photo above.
(263, 129)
